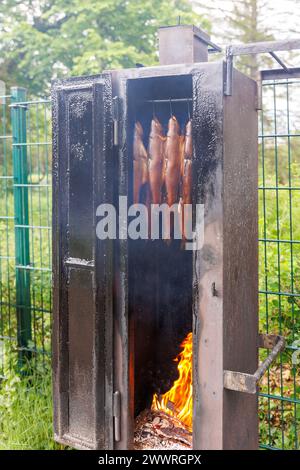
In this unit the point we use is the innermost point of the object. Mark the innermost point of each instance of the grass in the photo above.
(26, 397)
(40, 273)
(26, 410)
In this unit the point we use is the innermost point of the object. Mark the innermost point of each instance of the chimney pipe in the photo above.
(182, 44)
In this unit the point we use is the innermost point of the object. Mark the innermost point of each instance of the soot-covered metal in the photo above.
(82, 267)
(122, 307)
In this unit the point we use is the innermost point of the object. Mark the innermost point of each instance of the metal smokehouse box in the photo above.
(99, 347)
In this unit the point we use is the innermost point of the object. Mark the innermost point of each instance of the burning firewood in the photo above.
(157, 430)
(178, 401)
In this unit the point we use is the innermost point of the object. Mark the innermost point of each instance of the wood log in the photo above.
(157, 430)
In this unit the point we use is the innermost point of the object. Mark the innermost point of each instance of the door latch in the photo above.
(247, 383)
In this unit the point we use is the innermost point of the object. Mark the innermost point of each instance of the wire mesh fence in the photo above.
(7, 251)
(25, 244)
(279, 250)
(25, 227)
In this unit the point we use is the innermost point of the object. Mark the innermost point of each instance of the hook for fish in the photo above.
(153, 109)
(171, 110)
(189, 113)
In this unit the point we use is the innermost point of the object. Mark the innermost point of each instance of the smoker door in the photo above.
(82, 264)
(225, 330)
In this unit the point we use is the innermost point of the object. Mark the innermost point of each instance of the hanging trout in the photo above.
(156, 160)
(187, 174)
(140, 162)
(173, 161)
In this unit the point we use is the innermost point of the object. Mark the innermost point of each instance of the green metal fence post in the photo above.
(22, 255)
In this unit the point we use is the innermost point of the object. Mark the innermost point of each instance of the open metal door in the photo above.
(225, 329)
(82, 264)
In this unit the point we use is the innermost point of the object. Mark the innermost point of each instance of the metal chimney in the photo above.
(182, 44)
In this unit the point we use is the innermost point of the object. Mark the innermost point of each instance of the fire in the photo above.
(178, 401)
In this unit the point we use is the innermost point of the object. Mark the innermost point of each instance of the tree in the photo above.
(244, 21)
(44, 39)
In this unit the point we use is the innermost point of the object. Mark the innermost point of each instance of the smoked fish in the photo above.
(173, 161)
(156, 153)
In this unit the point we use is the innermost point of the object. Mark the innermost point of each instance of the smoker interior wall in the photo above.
(160, 274)
(160, 301)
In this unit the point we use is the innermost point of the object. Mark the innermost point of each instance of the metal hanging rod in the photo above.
(172, 100)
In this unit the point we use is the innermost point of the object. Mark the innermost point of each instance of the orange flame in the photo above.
(178, 401)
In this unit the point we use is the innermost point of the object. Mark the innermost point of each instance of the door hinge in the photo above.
(117, 415)
(115, 114)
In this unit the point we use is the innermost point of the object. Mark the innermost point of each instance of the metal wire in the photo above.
(35, 192)
(167, 101)
(279, 238)
(7, 278)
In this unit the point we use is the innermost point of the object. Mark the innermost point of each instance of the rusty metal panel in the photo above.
(225, 316)
(82, 265)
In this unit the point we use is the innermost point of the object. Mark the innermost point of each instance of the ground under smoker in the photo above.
(122, 307)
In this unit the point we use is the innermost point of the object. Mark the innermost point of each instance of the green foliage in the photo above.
(52, 38)
(279, 268)
(26, 409)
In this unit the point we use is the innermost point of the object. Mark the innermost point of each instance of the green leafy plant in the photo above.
(26, 408)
